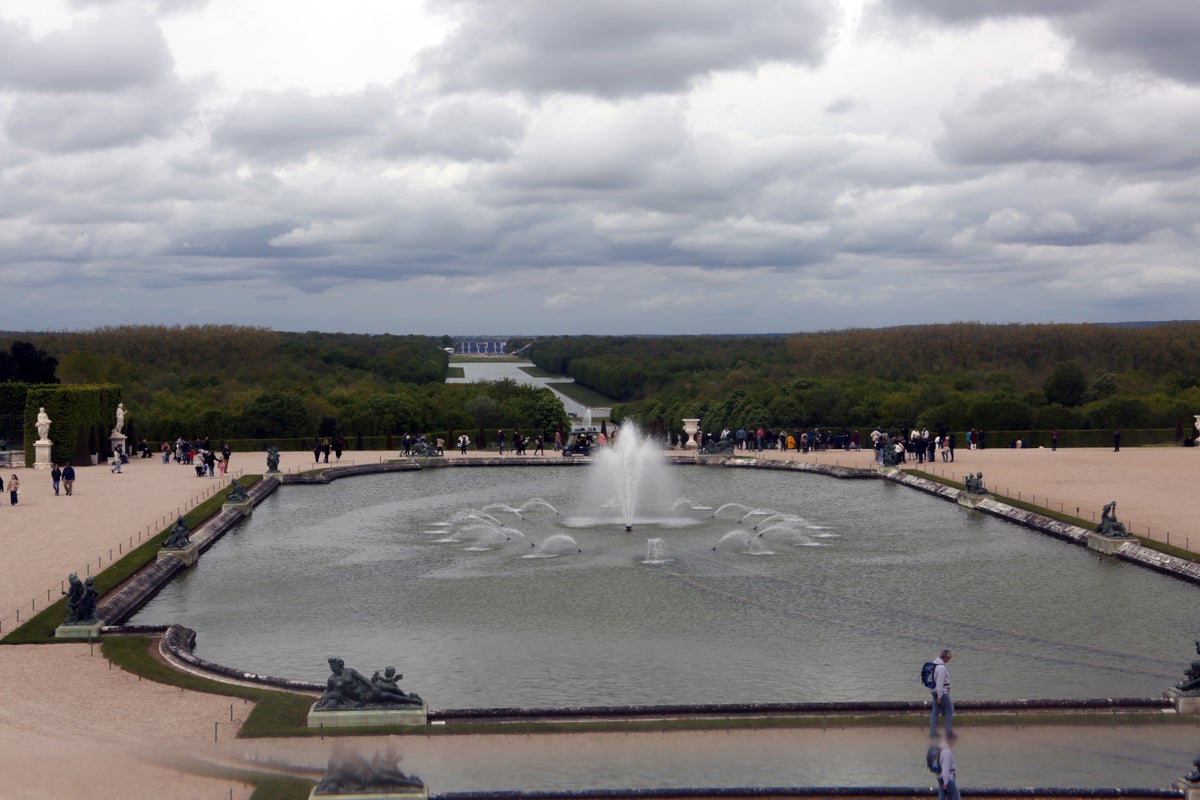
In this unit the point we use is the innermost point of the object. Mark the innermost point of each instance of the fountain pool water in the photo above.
(633, 477)
(841, 593)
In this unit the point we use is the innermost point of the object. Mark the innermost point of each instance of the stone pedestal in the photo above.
(245, 506)
(1191, 790)
(968, 500)
(1107, 544)
(1185, 702)
(41, 454)
(273, 472)
(116, 440)
(408, 794)
(89, 630)
(691, 427)
(188, 555)
(368, 717)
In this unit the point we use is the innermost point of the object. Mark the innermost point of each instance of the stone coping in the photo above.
(177, 644)
(815, 792)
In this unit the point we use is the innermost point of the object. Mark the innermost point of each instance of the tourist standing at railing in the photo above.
(942, 704)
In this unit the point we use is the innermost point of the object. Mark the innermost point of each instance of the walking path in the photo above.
(70, 726)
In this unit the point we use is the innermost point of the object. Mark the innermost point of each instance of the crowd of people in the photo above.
(199, 454)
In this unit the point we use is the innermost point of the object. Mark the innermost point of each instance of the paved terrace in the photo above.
(70, 726)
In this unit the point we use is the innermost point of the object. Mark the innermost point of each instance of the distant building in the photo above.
(480, 346)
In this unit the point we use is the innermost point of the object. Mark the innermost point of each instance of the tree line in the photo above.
(952, 376)
(240, 382)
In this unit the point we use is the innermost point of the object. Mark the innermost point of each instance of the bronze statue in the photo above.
(346, 688)
(975, 484)
(1192, 682)
(81, 600)
(1108, 522)
(237, 493)
(888, 455)
(273, 459)
(180, 536)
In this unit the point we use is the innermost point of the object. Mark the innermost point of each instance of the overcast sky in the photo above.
(625, 166)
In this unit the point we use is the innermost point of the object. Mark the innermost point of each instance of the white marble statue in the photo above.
(43, 424)
(120, 418)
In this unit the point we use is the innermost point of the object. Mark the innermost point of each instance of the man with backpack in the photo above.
(938, 681)
(940, 761)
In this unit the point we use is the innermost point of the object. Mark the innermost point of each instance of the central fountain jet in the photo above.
(633, 470)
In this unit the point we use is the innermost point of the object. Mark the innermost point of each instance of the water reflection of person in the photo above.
(947, 776)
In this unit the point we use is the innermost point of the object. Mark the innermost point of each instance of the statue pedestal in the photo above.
(86, 630)
(188, 555)
(116, 440)
(41, 454)
(885, 471)
(398, 794)
(1191, 791)
(968, 500)
(1107, 544)
(1185, 702)
(272, 472)
(245, 506)
(368, 717)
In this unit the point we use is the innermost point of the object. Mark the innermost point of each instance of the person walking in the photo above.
(116, 463)
(68, 477)
(1117, 441)
(56, 477)
(942, 704)
(14, 489)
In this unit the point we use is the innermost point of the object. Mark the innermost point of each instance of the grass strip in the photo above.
(456, 372)
(275, 713)
(538, 372)
(278, 787)
(589, 398)
(39, 629)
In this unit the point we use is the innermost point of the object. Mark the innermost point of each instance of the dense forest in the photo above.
(253, 383)
(953, 376)
(241, 382)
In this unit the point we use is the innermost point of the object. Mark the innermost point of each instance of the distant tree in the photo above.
(1066, 385)
(484, 410)
(1103, 386)
(274, 415)
(24, 363)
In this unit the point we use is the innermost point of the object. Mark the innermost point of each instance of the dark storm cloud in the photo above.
(620, 48)
(113, 52)
(1161, 36)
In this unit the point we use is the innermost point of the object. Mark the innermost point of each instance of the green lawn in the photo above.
(583, 395)
(538, 372)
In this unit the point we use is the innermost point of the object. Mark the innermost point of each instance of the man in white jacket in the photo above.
(942, 704)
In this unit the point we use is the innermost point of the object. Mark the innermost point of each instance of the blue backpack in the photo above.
(927, 679)
(933, 759)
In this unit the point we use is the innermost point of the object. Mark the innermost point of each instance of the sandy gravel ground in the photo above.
(71, 727)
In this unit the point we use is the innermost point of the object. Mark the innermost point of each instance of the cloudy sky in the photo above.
(625, 166)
